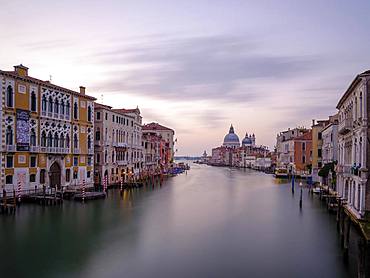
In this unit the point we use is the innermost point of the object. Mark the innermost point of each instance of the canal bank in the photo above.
(212, 222)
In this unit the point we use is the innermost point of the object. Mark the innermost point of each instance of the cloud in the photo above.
(215, 67)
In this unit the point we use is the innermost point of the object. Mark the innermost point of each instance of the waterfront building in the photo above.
(166, 134)
(47, 133)
(303, 153)
(249, 140)
(353, 158)
(285, 147)
(317, 128)
(117, 143)
(157, 153)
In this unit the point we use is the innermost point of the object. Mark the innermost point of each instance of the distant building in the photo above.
(166, 133)
(303, 153)
(231, 140)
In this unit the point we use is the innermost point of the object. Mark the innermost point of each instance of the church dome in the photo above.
(231, 139)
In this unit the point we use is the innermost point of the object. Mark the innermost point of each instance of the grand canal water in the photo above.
(212, 222)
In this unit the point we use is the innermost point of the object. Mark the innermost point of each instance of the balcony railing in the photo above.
(43, 149)
(50, 114)
(67, 117)
(61, 116)
(10, 148)
(43, 113)
(345, 126)
(34, 149)
(76, 151)
(90, 151)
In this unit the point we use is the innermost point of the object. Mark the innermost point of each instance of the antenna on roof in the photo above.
(102, 98)
(50, 77)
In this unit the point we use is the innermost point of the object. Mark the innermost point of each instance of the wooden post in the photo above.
(121, 188)
(83, 191)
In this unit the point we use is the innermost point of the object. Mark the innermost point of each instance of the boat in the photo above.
(316, 190)
(281, 173)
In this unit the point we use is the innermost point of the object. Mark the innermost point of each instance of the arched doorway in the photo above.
(55, 175)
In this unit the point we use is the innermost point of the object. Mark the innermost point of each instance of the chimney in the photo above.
(82, 90)
(21, 70)
(313, 122)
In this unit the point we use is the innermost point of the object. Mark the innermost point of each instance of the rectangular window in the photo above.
(106, 116)
(89, 161)
(75, 175)
(319, 164)
(113, 118)
(98, 115)
(9, 161)
(32, 178)
(303, 159)
(319, 136)
(33, 161)
(9, 179)
(88, 174)
(303, 146)
(319, 152)
(75, 161)
(68, 175)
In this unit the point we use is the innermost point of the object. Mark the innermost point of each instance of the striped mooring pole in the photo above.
(121, 187)
(83, 191)
(19, 191)
(105, 184)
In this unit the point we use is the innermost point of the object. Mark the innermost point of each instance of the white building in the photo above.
(330, 143)
(353, 162)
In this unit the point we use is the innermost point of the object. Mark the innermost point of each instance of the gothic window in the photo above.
(62, 141)
(50, 139)
(9, 96)
(75, 141)
(62, 107)
(9, 136)
(67, 141)
(33, 137)
(43, 139)
(89, 142)
(56, 106)
(89, 113)
(33, 101)
(75, 111)
(43, 103)
(56, 140)
(50, 104)
(67, 108)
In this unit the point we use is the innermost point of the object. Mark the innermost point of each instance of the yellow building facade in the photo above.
(46, 132)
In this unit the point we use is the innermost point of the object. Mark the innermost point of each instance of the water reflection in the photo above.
(213, 222)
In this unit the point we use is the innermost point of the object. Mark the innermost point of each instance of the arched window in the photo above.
(50, 140)
(43, 103)
(50, 104)
(9, 96)
(75, 111)
(89, 142)
(75, 141)
(56, 106)
(67, 141)
(62, 141)
(89, 113)
(42, 176)
(68, 106)
(33, 101)
(56, 140)
(62, 107)
(43, 139)
(97, 135)
(9, 135)
(33, 137)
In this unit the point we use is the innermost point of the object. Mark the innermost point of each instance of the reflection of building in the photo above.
(353, 159)
(47, 133)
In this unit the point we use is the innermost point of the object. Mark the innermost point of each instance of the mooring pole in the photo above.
(293, 184)
(300, 198)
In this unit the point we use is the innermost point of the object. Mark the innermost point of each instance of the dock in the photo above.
(93, 195)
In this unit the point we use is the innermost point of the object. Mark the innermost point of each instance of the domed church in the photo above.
(231, 140)
(249, 140)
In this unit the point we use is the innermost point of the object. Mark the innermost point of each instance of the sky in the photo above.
(196, 65)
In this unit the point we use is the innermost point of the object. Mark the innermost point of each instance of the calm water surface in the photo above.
(212, 222)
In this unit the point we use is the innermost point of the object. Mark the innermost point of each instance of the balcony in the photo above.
(43, 113)
(90, 151)
(67, 117)
(43, 149)
(76, 151)
(119, 145)
(10, 148)
(61, 116)
(121, 162)
(56, 115)
(345, 126)
(34, 149)
(50, 114)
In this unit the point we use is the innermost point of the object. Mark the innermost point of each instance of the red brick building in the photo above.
(303, 153)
